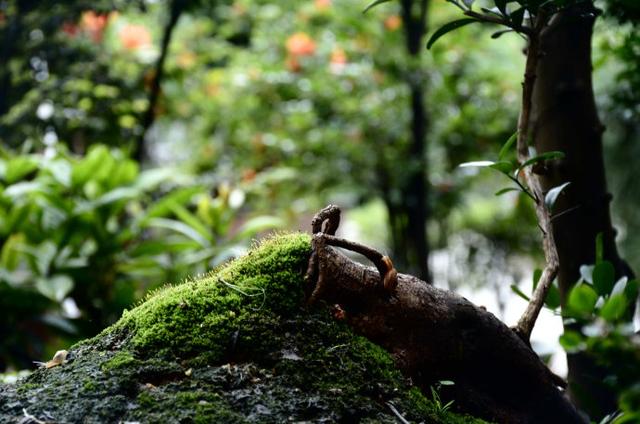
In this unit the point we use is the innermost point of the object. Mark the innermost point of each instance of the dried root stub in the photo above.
(434, 334)
(330, 218)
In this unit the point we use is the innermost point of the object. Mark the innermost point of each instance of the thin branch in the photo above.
(491, 19)
(524, 189)
(528, 319)
(176, 9)
(399, 416)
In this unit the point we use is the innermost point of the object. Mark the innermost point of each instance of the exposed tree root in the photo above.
(436, 335)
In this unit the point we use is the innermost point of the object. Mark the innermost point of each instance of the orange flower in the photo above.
(94, 24)
(300, 44)
(322, 4)
(393, 22)
(70, 29)
(338, 60)
(134, 37)
(338, 56)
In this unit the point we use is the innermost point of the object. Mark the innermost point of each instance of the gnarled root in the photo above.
(435, 335)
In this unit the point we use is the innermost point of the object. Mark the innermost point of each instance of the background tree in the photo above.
(557, 94)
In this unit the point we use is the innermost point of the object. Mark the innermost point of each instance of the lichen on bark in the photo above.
(237, 345)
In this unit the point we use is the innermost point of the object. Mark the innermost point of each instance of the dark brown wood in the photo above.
(564, 118)
(436, 335)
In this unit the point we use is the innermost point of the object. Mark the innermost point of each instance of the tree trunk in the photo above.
(408, 220)
(565, 118)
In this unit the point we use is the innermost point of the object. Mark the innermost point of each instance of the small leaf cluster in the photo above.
(517, 16)
(599, 295)
(598, 323)
(512, 170)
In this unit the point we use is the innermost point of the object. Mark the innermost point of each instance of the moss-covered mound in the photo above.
(235, 346)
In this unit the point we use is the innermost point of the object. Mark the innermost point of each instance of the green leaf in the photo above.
(448, 28)
(166, 245)
(506, 190)
(614, 308)
(502, 6)
(24, 188)
(517, 16)
(191, 220)
(97, 161)
(552, 301)
(162, 207)
(259, 224)
(552, 195)
(374, 4)
(631, 289)
(572, 341)
(179, 227)
(44, 254)
(507, 145)
(61, 171)
(478, 163)
(603, 278)
(56, 287)
(519, 292)
(503, 166)
(539, 158)
(19, 167)
(12, 251)
(582, 300)
(586, 273)
(537, 274)
(599, 248)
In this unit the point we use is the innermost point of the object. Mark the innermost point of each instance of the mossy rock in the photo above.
(235, 346)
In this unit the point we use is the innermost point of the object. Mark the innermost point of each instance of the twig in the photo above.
(530, 315)
(176, 9)
(30, 418)
(399, 416)
(490, 19)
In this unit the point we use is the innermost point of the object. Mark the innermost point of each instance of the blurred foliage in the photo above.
(86, 237)
(619, 98)
(598, 312)
(263, 106)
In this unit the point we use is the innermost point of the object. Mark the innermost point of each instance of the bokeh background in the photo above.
(143, 142)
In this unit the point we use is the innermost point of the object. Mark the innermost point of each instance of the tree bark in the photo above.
(408, 220)
(565, 118)
(436, 335)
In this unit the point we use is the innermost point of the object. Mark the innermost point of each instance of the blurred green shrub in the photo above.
(82, 238)
(599, 310)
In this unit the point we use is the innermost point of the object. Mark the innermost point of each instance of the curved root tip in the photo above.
(390, 277)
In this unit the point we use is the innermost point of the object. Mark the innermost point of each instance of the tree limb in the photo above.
(530, 315)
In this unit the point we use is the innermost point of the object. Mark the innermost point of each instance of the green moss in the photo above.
(119, 360)
(202, 315)
(235, 346)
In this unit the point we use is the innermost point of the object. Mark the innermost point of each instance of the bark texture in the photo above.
(409, 215)
(436, 335)
(565, 118)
